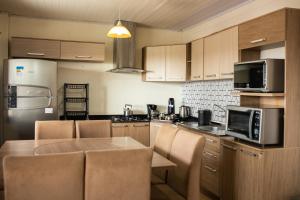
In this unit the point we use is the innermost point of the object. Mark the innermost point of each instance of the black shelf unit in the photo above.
(76, 114)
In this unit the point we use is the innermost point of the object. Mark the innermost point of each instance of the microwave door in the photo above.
(238, 123)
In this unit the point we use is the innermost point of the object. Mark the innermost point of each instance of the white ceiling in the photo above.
(169, 14)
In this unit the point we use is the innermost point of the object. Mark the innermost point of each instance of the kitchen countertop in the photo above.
(203, 129)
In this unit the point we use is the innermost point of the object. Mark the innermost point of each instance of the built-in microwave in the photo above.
(259, 76)
(259, 125)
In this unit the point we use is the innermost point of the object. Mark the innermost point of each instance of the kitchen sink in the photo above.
(211, 128)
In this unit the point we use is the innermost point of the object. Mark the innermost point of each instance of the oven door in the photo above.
(250, 76)
(239, 122)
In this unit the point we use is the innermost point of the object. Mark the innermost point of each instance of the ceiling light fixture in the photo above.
(119, 31)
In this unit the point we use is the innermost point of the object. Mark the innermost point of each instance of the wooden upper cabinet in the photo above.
(197, 60)
(228, 52)
(154, 63)
(264, 30)
(176, 63)
(34, 48)
(82, 51)
(211, 57)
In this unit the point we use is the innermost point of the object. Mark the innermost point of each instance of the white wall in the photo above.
(108, 92)
(246, 11)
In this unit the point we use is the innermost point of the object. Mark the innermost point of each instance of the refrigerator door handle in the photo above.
(50, 97)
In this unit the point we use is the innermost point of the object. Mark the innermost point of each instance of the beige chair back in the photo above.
(186, 152)
(45, 177)
(54, 129)
(93, 128)
(164, 139)
(118, 174)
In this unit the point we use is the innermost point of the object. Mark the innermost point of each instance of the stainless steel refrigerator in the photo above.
(30, 94)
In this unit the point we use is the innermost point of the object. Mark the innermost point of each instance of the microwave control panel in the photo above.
(256, 125)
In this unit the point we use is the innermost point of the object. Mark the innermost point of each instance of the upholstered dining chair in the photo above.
(163, 143)
(93, 128)
(183, 181)
(54, 129)
(44, 177)
(118, 174)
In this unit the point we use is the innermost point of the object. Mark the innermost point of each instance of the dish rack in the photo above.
(76, 101)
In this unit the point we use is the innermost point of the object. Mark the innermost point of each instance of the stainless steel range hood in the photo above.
(124, 52)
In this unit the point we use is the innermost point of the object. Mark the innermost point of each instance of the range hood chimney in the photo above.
(124, 52)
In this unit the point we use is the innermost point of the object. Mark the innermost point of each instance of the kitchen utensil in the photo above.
(128, 110)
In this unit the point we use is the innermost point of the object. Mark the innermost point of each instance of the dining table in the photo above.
(55, 146)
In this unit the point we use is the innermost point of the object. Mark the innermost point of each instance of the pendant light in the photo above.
(119, 31)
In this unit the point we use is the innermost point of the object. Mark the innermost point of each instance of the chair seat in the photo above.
(156, 180)
(164, 192)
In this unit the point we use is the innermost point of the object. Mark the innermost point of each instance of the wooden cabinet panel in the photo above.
(211, 57)
(197, 60)
(209, 177)
(34, 48)
(228, 170)
(82, 51)
(264, 30)
(176, 63)
(228, 52)
(155, 63)
(120, 130)
(212, 143)
(138, 131)
(249, 177)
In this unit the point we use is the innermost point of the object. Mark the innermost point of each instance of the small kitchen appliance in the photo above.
(171, 106)
(204, 117)
(153, 113)
(259, 76)
(128, 110)
(184, 112)
(259, 125)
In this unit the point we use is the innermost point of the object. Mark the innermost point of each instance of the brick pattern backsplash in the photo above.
(204, 94)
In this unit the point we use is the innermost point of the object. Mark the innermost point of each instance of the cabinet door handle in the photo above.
(227, 74)
(210, 169)
(250, 153)
(258, 40)
(151, 78)
(196, 76)
(211, 75)
(211, 140)
(144, 125)
(35, 54)
(210, 154)
(229, 147)
(83, 56)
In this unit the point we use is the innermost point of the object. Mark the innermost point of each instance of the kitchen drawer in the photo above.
(34, 48)
(210, 176)
(82, 51)
(212, 143)
(264, 30)
(211, 155)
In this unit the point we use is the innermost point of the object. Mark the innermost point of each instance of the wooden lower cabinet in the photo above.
(249, 173)
(139, 131)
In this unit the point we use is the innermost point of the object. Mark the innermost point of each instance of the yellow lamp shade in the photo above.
(119, 31)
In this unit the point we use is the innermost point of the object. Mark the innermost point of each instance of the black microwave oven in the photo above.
(259, 76)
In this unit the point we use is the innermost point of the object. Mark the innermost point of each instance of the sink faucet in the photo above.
(221, 108)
